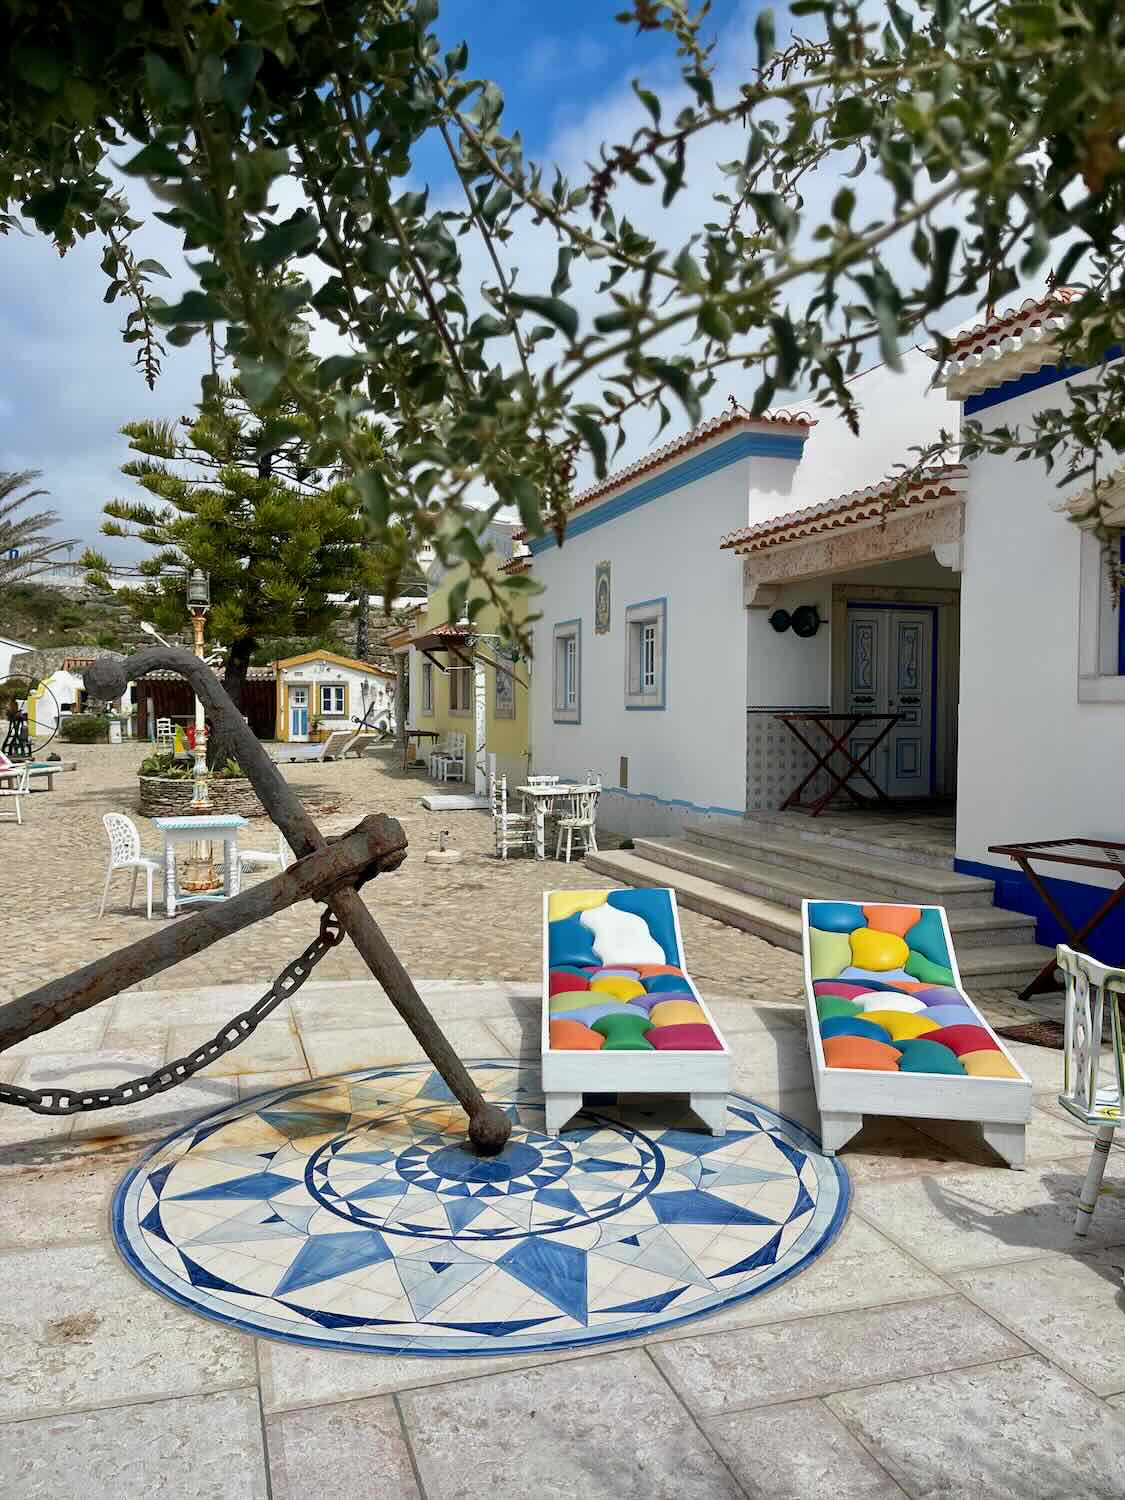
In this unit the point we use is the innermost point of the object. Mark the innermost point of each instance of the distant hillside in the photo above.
(44, 616)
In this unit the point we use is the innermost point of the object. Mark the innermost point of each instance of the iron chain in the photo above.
(64, 1101)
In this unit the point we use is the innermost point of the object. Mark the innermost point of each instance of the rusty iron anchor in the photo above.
(327, 871)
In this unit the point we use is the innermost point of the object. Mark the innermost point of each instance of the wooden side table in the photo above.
(836, 743)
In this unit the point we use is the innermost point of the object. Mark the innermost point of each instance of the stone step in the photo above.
(867, 841)
(975, 926)
(891, 879)
(1001, 965)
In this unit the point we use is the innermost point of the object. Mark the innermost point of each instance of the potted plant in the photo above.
(317, 731)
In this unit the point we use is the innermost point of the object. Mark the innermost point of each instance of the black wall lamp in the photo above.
(805, 621)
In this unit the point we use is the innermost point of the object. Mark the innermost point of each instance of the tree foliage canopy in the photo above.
(27, 546)
(899, 158)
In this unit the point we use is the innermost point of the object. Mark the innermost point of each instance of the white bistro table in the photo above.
(542, 796)
(188, 831)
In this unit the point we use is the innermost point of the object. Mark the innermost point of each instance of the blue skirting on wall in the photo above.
(1014, 892)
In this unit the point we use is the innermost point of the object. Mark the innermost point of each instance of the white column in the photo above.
(480, 750)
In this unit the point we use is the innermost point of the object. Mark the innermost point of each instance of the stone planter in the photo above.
(170, 796)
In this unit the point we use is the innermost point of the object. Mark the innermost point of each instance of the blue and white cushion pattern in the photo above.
(348, 1213)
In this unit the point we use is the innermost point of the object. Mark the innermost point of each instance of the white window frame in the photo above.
(333, 688)
(1100, 675)
(457, 675)
(567, 655)
(426, 710)
(646, 655)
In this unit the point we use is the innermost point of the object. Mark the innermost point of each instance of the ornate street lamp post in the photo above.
(199, 871)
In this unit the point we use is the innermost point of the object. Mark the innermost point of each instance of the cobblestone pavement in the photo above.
(467, 921)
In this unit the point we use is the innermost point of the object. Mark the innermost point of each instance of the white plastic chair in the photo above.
(165, 735)
(1089, 985)
(441, 748)
(452, 758)
(253, 858)
(22, 788)
(581, 820)
(125, 854)
(512, 830)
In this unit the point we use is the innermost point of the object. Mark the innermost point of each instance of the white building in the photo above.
(320, 691)
(8, 649)
(973, 611)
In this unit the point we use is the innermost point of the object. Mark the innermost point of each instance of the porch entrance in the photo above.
(892, 669)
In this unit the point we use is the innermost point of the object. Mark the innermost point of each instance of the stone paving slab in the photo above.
(1019, 1430)
(195, 1448)
(348, 1452)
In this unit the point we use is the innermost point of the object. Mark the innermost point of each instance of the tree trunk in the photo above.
(219, 749)
(362, 640)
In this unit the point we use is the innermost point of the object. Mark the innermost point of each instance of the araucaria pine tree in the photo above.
(235, 497)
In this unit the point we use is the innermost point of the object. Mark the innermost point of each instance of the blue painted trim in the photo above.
(561, 625)
(932, 609)
(618, 791)
(650, 708)
(1036, 380)
(744, 445)
(1014, 892)
(804, 1139)
(1121, 617)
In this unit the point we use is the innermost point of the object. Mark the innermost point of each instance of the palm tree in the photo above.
(26, 548)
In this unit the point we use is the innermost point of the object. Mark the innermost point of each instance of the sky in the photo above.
(68, 382)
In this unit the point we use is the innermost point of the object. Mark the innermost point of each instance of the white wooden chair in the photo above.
(452, 758)
(125, 854)
(581, 819)
(1090, 986)
(441, 748)
(20, 788)
(250, 859)
(165, 735)
(512, 830)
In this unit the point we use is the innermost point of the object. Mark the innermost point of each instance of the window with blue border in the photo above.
(567, 645)
(646, 654)
(1101, 651)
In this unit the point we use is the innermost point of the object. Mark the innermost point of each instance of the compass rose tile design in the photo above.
(348, 1213)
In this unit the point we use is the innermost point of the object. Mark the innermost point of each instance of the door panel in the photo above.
(298, 713)
(890, 654)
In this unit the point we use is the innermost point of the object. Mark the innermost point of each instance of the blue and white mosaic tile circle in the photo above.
(348, 1213)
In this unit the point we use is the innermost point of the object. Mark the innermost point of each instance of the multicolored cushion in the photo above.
(572, 1036)
(927, 937)
(653, 908)
(828, 1006)
(961, 1039)
(835, 916)
(920, 967)
(986, 1064)
(688, 1038)
(878, 951)
(951, 1015)
(588, 1014)
(667, 984)
(625, 1033)
(621, 989)
(861, 1052)
(889, 1000)
(902, 1025)
(559, 983)
(677, 1013)
(853, 1026)
(925, 1056)
(895, 919)
(830, 953)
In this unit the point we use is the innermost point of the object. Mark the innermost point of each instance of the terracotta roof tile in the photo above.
(846, 510)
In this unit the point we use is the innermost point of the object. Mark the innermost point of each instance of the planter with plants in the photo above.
(84, 729)
(166, 787)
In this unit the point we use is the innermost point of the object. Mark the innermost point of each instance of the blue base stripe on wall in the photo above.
(1014, 892)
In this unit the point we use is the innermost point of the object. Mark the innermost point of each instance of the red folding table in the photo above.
(837, 743)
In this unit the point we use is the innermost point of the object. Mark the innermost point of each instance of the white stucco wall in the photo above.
(690, 757)
(8, 649)
(1034, 762)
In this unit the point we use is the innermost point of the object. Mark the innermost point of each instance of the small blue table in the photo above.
(188, 831)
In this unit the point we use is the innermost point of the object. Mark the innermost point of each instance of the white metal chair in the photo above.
(512, 830)
(249, 859)
(22, 788)
(1097, 1105)
(125, 854)
(582, 819)
(165, 735)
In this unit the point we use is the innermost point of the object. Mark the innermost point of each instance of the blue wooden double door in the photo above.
(892, 669)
